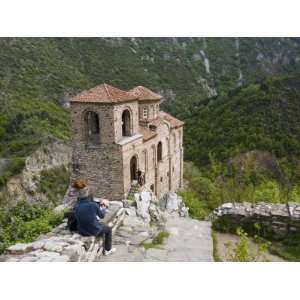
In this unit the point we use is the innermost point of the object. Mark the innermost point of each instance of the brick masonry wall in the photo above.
(166, 175)
(100, 165)
(106, 166)
(152, 107)
(134, 112)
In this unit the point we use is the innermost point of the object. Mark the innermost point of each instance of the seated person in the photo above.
(86, 213)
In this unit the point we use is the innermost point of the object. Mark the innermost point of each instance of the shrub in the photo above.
(157, 241)
(240, 252)
(197, 208)
(54, 183)
(14, 167)
(25, 222)
(268, 192)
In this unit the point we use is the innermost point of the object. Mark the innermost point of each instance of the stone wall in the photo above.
(61, 245)
(101, 164)
(131, 225)
(276, 221)
(165, 175)
(152, 109)
(106, 164)
(134, 114)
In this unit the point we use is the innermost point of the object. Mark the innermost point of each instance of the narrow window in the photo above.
(154, 158)
(159, 151)
(146, 160)
(153, 112)
(180, 137)
(145, 113)
(174, 141)
(92, 127)
(126, 126)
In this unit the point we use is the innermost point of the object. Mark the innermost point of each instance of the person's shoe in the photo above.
(109, 252)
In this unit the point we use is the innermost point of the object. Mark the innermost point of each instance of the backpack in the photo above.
(72, 222)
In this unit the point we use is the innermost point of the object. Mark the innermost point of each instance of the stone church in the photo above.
(118, 135)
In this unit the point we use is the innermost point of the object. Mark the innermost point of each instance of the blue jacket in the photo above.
(86, 212)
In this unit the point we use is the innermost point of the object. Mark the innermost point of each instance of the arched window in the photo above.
(145, 113)
(159, 151)
(126, 123)
(133, 168)
(92, 127)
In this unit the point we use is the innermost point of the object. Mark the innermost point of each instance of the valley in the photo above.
(239, 99)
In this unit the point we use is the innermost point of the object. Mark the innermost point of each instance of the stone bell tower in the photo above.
(100, 118)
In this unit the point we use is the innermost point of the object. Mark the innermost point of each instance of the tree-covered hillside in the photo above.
(260, 116)
(38, 75)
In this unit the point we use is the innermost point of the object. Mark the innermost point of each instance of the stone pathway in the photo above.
(61, 245)
(189, 240)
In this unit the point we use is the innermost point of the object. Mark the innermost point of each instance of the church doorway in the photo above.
(133, 168)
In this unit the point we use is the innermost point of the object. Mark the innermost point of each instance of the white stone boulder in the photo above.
(170, 202)
(55, 246)
(131, 211)
(156, 214)
(20, 248)
(143, 202)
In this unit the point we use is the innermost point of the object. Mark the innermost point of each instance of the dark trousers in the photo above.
(107, 233)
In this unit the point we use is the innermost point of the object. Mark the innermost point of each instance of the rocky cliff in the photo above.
(27, 184)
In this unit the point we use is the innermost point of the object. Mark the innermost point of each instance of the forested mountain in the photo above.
(263, 116)
(38, 75)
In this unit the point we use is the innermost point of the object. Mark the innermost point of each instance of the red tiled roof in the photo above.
(144, 94)
(104, 93)
(147, 133)
(175, 123)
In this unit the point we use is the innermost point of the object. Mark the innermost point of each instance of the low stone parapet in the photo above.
(61, 245)
(267, 219)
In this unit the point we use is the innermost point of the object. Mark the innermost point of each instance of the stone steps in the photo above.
(133, 190)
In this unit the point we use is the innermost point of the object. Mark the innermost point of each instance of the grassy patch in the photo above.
(157, 241)
(197, 208)
(216, 254)
(288, 250)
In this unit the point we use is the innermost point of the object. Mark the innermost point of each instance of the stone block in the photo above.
(131, 211)
(55, 246)
(20, 248)
(29, 259)
(38, 245)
